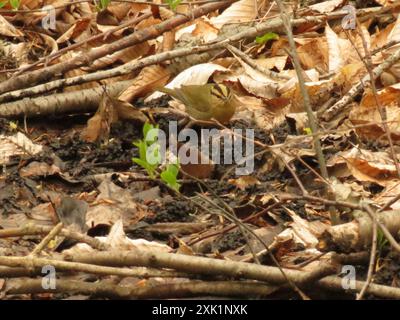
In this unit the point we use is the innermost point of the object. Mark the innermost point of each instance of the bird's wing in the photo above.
(198, 97)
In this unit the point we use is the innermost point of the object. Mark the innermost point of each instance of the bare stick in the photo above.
(335, 283)
(56, 230)
(34, 77)
(30, 263)
(202, 265)
(371, 266)
(161, 291)
(303, 89)
(32, 229)
(358, 88)
(129, 67)
(47, 59)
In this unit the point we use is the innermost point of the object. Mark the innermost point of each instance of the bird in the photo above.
(206, 102)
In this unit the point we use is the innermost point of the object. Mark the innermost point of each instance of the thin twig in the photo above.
(371, 267)
(56, 230)
(306, 98)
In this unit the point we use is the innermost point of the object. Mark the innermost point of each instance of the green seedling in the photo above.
(267, 37)
(173, 4)
(15, 4)
(307, 131)
(150, 157)
(102, 5)
(170, 175)
(149, 150)
(381, 240)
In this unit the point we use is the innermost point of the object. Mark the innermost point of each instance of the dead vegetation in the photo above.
(83, 214)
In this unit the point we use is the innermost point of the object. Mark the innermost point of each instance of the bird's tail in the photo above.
(168, 91)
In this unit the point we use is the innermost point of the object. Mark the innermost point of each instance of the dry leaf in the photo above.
(7, 29)
(244, 181)
(110, 111)
(368, 112)
(241, 11)
(148, 80)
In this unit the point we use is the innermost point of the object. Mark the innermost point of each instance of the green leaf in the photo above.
(142, 146)
(15, 4)
(146, 129)
(104, 4)
(153, 154)
(173, 4)
(267, 37)
(3, 3)
(307, 131)
(381, 240)
(145, 165)
(169, 176)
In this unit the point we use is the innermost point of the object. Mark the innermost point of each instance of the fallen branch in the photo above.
(161, 291)
(31, 229)
(152, 32)
(338, 107)
(357, 234)
(201, 265)
(335, 283)
(53, 233)
(128, 68)
(71, 102)
(32, 263)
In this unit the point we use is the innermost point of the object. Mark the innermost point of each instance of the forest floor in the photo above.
(84, 214)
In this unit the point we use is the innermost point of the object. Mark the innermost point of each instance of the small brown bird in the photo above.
(206, 102)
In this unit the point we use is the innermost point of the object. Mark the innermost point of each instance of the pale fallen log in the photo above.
(71, 102)
(357, 234)
(243, 289)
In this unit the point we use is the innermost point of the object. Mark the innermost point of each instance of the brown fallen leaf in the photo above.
(244, 181)
(110, 111)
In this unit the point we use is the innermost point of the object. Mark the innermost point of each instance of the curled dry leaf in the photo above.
(148, 80)
(7, 29)
(17, 145)
(73, 33)
(319, 91)
(110, 111)
(256, 82)
(123, 10)
(334, 50)
(391, 191)
(37, 169)
(368, 113)
(385, 2)
(326, 6)
(347, 191)
(313, 53)
(244, 181)
(112, 204)
(201, 28)
(241, 11)
(50, 42)
(394, 35)
(301, 232)
(367, 166)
